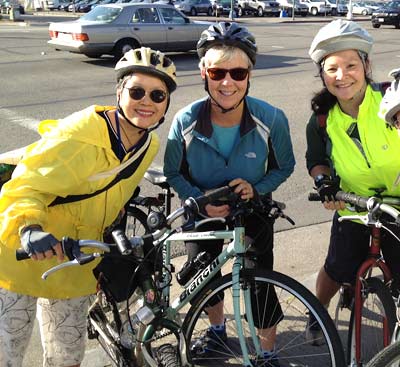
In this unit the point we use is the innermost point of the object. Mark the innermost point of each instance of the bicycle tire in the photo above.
(380, 303)
(167, 356)
(387, 357)
(138, 225)
(291, 344)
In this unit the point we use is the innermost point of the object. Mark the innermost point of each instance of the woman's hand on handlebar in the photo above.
(334, 205)
(40, 245)
(243, 188)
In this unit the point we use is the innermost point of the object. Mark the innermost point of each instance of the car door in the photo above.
(182, 35)
(147, 27)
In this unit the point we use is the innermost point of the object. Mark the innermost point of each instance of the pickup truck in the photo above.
(259, 8)
(316, 7)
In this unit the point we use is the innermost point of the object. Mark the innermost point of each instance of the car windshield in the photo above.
(393, 4)
(104, 14)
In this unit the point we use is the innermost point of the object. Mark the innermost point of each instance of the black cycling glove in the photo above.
(327, 187)
(34, 240)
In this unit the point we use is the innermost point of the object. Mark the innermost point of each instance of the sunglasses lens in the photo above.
(216, 74)
(137, 93)
(158, 95)
(238, 74)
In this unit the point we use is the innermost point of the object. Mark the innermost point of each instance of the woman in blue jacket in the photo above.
(230, 138)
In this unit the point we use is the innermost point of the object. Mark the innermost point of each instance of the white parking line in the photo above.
(277, 46)
(10, 116)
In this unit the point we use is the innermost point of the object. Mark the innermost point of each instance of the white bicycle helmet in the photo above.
(390, 103)
(339, 35)
(148, 61)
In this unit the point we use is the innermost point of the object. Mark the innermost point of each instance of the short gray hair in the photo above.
(226, 53)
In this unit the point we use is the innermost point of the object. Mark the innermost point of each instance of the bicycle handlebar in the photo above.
(192, 206)
(371, 204)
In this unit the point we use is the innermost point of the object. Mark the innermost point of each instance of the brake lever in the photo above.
(365, 219)
(84, 259)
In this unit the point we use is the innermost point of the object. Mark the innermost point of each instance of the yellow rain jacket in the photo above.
(62, 163)
(378, 166)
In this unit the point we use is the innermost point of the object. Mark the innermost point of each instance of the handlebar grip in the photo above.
(313, 196)
(213, 195)
(20, 254)
(353, 199)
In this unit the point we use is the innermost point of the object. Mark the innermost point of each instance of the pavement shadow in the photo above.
(188, 61)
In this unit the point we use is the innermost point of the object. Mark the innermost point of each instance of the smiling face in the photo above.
(344, 74)
(227, 91)
(143, 112)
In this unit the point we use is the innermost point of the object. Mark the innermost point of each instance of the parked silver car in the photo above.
(114, 29)
(194, 7)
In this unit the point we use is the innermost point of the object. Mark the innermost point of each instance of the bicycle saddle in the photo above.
(156, 177)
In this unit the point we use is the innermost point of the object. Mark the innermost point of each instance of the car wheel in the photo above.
(193, 12)
(364, 12)
(314, 11)
(397, 26)
(260, 11)
(123, 46)
(375, 25)
(240, 12)
(210, 12)
(334, 12)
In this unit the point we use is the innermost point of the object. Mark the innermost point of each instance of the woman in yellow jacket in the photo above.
(77, 155)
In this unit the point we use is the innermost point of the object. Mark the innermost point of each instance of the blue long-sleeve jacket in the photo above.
(263, 156)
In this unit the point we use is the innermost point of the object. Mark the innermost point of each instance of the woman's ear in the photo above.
(203, 73)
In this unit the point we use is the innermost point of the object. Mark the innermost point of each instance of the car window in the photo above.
(145, 15)
(171, 15)
(102, 14)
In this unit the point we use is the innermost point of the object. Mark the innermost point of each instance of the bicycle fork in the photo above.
(361, 292)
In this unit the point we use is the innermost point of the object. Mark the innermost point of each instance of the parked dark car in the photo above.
(223, 7)
(389, 14)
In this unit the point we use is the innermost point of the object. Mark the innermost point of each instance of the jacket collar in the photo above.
(204, 127)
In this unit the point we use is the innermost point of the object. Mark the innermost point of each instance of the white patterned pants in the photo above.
(62, 328)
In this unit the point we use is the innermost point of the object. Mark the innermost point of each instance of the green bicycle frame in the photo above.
(236, 247)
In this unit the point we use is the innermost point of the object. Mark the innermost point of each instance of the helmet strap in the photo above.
(225, 110)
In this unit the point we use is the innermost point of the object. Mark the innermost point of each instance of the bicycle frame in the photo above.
(234, 248)
(373, 260)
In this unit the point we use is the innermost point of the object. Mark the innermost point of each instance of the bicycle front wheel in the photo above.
(388, 357)
(292, 300)
(377, 306)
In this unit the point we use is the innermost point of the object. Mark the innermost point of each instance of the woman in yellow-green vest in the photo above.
(78, 155)
(349, 147)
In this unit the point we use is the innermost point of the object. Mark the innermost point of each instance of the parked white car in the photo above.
(361, 8)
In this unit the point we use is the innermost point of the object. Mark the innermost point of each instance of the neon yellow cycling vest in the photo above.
(378, 166)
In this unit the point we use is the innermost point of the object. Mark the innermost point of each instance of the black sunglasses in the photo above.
(237, 74)
(156, 95)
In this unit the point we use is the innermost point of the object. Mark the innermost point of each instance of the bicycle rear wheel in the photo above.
(377, 305)
(296, 302)
(388, 357)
